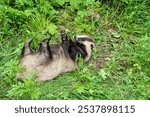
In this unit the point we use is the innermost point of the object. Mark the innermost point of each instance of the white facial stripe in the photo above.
(88, 49)
(82, 36)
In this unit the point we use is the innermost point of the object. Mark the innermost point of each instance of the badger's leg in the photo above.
(45, 48)
(65, 40)
(26, 49)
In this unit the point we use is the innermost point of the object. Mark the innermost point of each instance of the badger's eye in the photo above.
(92, 46)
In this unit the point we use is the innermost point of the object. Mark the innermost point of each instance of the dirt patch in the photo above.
(104, 51)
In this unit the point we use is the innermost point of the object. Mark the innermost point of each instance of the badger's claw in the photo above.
(29, 41)
(47, 40)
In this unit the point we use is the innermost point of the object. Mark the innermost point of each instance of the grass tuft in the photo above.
(119, 67)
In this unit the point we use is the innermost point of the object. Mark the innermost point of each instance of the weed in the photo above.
(119, 68)
(28, 89)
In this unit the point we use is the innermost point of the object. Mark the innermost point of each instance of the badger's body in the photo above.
(51, 60)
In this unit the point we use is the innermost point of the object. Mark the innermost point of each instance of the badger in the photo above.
(51, 60)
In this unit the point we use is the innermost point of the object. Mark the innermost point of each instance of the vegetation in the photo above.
(119, 68)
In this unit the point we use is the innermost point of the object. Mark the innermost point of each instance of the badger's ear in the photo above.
(92, 46)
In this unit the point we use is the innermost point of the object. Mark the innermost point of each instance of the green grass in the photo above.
(118, 69)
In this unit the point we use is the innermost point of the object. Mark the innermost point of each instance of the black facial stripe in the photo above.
(76, 48)
(81, 49)
(80, 45)
(81, 39)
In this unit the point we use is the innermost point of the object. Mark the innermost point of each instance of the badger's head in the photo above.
(86, 43)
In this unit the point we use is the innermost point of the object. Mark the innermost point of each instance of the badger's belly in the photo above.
(46, 71)
(54, 68)
(29, 63)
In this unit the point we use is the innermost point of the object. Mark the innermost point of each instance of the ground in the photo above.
(120, 64)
